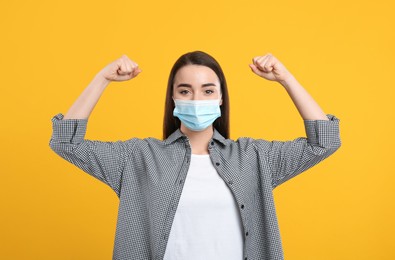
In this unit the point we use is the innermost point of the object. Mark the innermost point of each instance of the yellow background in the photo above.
(342, 52)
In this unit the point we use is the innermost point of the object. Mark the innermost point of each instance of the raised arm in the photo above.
(270, 68)
(286, 159)
(103, 160)
(120, 70)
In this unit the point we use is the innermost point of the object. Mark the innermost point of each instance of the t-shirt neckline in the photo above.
(200, 155)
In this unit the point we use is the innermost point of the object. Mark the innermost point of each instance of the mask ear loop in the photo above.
(219, 101)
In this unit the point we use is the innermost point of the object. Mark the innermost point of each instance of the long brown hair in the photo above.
(172, 123)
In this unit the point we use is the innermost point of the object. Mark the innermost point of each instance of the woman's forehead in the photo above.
(196, 74)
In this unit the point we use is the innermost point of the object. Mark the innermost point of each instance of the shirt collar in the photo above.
(178, 134)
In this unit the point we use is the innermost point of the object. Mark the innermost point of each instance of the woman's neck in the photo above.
(198, 139)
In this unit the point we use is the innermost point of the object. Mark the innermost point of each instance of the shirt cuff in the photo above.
(324, 133)
(68, 130)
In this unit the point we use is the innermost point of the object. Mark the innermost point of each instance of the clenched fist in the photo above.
(121, 69)
(269, 67)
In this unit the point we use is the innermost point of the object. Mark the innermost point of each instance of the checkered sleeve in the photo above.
(287, 159)
(103, 160)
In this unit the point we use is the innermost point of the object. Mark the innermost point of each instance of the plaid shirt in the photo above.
(148, 176)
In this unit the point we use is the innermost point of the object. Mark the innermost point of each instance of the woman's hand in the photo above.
(121, 69)
(270, 68)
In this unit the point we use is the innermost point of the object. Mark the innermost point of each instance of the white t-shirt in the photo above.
(207, 222)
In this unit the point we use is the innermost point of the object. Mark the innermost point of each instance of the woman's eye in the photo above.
(183, 91)
(209, 91)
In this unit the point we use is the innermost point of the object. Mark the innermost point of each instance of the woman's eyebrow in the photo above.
(189, 85)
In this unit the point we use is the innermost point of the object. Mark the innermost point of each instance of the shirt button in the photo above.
(242, 206)
(212, 143)
(245, 258)
(246, 233)
(180, 181)
(217, 163)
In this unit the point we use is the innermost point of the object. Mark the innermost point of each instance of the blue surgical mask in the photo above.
(197, 115)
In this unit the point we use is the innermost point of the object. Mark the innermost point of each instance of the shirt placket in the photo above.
(230, 183)
(178, 186)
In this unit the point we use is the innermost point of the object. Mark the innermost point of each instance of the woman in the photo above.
(196, 194)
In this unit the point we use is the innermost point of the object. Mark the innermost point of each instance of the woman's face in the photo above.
(196, 82)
